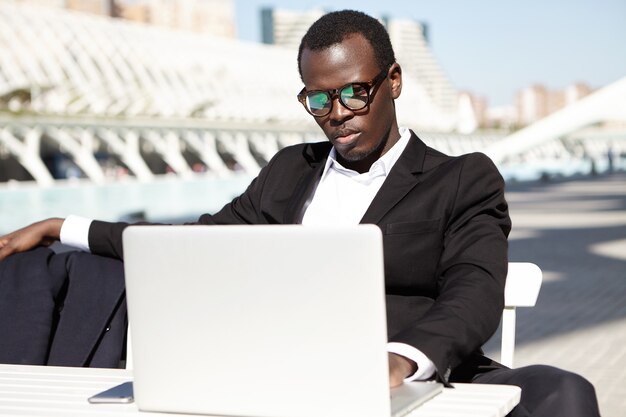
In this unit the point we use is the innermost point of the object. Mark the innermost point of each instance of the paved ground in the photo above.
(576, 232)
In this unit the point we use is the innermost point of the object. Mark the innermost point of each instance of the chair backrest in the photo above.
(523, 282)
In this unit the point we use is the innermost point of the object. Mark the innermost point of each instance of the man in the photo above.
(444, 220)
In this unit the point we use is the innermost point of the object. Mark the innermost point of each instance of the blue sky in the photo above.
(494, 48)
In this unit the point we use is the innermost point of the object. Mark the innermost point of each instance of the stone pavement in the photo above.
(576, 232)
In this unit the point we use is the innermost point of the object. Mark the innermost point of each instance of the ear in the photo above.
(395, 80)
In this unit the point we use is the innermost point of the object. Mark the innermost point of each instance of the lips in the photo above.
(345, 136)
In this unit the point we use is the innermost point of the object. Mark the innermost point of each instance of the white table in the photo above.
(63, 392)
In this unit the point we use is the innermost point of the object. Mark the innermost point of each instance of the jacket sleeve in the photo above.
(105, 238)
(471, 272)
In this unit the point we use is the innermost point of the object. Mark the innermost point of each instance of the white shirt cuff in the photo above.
(75, 232)
(425, 367)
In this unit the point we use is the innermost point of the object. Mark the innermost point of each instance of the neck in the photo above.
(364, 164)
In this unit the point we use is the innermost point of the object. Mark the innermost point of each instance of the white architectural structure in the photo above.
(418, 62)
(606, 104)
(78, 64)
(85, 86)
(81, 83)
(71, 69)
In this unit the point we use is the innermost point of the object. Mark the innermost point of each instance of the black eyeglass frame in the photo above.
(336, 93)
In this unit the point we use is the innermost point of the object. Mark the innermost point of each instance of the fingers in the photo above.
(7, 245)
(5, 248)
(40, 233)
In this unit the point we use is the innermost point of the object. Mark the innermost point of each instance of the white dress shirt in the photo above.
(341, 198)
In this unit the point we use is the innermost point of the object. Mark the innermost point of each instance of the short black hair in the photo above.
(334, 27)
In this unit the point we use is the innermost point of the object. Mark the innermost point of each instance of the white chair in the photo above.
(523, 282)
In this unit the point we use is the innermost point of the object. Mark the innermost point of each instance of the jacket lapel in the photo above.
(316, 156)
(404, 176)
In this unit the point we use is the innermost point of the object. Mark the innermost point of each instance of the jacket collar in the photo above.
(403, 177)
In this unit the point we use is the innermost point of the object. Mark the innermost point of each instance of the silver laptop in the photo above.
(261, 321)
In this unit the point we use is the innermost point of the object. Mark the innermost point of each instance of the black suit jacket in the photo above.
(445, 224)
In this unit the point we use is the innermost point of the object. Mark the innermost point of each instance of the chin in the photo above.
(355, 155)
(351, 156)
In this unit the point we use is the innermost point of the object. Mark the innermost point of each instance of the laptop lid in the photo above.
(258, 320)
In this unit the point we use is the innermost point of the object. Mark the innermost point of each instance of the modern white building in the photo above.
(410, 42)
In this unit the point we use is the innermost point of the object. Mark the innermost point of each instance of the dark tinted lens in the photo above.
(354, 96)
(319, 103)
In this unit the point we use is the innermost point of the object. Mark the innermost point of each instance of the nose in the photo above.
(339, 112)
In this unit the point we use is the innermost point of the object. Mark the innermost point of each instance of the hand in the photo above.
(400, 368)
(42, 233)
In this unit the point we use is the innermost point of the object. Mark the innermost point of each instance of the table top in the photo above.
(59, 391)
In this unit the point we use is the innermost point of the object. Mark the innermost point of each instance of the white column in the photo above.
(81, 151)
(204, 143)
(237, 145)
(127, 148)
(27, 153)
(168, 146)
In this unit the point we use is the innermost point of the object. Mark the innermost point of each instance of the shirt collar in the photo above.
(381, 167)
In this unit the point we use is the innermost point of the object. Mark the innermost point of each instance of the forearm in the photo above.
(52, 228)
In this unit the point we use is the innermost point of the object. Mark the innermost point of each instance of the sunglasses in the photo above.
(353, 96)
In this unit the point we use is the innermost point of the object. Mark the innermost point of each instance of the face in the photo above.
(360, 137)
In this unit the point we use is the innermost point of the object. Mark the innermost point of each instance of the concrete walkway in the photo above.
(576, 232)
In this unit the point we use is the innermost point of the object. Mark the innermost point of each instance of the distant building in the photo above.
(467, 115)
(216, 17)
(410, 42)
(532, 104)
(286, 27)
(575, 92)
(102, 7)
(472, 112)
(501, 117)
(536, 102)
